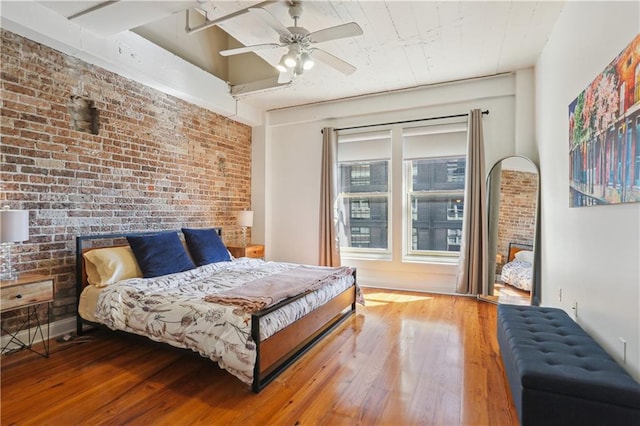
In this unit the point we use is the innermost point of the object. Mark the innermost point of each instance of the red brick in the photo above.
(153, 164)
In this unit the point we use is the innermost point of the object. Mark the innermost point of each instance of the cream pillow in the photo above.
(106, 266)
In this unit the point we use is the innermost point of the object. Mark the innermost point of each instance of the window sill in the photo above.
(365, 256)
(440, 260)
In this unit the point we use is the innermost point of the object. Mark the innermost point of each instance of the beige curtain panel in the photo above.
(472, 277)
(329, 248)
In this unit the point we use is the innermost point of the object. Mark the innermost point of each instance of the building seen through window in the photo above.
(436, 196)
(435, 193)
(365, 203)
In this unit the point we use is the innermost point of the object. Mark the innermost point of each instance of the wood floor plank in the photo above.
(403, 359)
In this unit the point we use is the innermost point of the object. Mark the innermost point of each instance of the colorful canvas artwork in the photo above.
(604, 135)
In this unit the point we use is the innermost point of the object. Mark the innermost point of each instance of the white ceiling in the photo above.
(405, 43)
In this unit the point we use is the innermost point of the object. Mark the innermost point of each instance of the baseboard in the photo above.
(56, 329)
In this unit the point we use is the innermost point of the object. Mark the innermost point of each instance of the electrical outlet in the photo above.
(559, 295)
(624, 350)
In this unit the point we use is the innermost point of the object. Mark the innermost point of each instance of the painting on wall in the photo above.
(604, 135)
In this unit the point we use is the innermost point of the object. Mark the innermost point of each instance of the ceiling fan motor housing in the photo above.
(298, 35)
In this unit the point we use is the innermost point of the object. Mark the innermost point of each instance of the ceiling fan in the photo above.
(301, 53)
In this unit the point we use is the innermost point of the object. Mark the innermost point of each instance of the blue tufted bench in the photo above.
(559, 375)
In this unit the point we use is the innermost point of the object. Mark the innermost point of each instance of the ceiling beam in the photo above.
(92, 9)
(210, 23)
(240, 90)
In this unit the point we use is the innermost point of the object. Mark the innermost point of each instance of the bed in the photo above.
(218, 308)
(518, 271)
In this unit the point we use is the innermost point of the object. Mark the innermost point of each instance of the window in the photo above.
(421, 211)
(360, 174)
(364, 209)
(360, 208)
(360, 236)
(455, 210)
(455, 171)
(436, 196)
(434, 178)
(364, 192)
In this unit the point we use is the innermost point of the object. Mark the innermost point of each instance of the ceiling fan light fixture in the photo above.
(301, 55)
(290, 61)
(289, 58)
(307, 62)
(282, 67)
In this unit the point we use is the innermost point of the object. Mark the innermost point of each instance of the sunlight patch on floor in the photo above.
(379, 299)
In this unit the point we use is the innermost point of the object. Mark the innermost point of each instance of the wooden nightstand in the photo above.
(32, 292)
(250, 250)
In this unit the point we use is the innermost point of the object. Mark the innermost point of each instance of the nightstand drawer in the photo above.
(255, 251)
(20, 295)
(252, 250)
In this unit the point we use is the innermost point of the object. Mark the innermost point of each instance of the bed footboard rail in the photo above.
(278, 352)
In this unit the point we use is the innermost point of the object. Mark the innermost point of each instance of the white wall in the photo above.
(591, 253)
(292, 154)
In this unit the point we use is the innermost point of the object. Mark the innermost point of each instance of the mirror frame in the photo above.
(491, 262)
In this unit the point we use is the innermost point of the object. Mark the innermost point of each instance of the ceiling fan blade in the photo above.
(271, 20)
(333, 61)
(246, 49)
(333, 33)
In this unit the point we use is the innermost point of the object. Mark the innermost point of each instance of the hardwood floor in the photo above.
(404, 359)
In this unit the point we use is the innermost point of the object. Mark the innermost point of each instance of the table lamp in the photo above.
(14, 227)
(245, 219)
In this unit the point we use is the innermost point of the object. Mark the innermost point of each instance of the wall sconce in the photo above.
(245, 219)
(222, 165)
(14, 227)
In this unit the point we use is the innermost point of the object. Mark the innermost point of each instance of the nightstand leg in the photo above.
(38, 329)
(32, 312)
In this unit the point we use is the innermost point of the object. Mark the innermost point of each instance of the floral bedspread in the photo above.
(518, 273)
(172, 309)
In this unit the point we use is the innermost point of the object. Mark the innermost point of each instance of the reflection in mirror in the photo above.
(512, 210)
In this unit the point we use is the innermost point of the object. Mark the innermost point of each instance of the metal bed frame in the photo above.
(273, 355)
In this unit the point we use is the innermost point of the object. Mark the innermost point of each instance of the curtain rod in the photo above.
(485, 112)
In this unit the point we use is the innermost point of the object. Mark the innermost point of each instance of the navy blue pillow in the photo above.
(205, 246)
(160, 254)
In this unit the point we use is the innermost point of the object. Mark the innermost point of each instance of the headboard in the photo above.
(516, 247)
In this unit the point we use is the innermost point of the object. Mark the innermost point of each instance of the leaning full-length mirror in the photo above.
(512, 211)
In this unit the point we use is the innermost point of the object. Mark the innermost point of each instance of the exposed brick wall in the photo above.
(518, 200)
(156, 162)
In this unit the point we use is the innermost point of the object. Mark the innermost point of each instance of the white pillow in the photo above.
(525, 256)
(106, 266)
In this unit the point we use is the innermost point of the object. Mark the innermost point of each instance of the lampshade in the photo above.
(14, 225)
(245, 218)
(281, 65)
(290, 57)
(307, 62)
